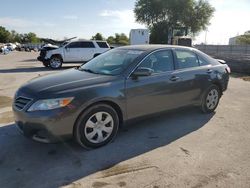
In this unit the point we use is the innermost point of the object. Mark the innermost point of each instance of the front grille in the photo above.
(21, 102)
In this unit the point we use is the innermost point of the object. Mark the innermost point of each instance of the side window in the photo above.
(203, 61)
(186, 59)
(102, 44)
(73, 45)
(86, 45)
(160, 61)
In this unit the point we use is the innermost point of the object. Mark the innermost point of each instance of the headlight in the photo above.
(49, 104)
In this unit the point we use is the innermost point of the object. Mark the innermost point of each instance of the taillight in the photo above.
(228, 70)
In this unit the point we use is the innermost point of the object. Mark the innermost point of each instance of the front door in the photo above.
(154, 93)
(71, 52)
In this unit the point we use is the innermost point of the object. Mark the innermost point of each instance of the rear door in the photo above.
(191, 77)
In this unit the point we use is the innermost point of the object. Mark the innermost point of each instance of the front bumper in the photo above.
(42, 59)
(46, 126)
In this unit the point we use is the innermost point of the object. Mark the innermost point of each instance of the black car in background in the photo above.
(92, 101)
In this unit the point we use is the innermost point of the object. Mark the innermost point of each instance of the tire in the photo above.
(210, 99)
(46, 64)
(96, 126)
(55, 62)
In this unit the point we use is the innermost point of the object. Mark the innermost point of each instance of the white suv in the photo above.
(75, 51)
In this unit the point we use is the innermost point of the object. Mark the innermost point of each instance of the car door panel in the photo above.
(87, 51)
(151, 94)
(148, 95)
(71, 52)
(192, 77)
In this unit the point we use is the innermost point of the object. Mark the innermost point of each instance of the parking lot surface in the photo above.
(183, 148)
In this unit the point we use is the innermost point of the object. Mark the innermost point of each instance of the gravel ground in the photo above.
(182, 148)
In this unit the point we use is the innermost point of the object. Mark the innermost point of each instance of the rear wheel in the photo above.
(55, 62)
(211, 99)
(97, 126)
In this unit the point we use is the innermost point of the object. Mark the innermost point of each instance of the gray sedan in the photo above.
(92, 101)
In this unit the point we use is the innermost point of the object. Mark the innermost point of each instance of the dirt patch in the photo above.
(99, 184)
(124, 169)
(122, 184)
(5, 101)
(244, 77)
(185, 151)
(6, 117)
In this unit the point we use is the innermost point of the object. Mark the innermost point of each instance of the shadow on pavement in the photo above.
(25, 163)
(29, 60)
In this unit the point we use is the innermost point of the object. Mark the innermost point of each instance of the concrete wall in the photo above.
(237, 56)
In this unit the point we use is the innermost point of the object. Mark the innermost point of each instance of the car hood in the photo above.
(62, 82)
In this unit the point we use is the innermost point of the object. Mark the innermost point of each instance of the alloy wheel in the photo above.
(55, 62)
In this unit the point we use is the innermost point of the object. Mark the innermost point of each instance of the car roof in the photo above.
(152, 47)
(83, 40)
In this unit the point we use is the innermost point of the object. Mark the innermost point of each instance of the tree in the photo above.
(4, 35)
(243, 39)
(32, 38)
(120, 39)
(15, 37)
(247, 32)
(163, 17)
(98, 36)
(111, 40)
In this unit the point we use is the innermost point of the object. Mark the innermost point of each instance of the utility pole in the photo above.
(206, 36)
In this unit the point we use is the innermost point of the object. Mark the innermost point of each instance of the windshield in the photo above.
(113, 62)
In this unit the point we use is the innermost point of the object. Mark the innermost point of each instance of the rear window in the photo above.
(186, 59)
(102, 44)
(203, 61)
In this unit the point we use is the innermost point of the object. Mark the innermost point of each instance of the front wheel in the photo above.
(97, 126)
(55, 62)
(46, 64)
(211, 99)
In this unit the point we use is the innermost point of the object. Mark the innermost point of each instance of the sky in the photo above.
(84, 18)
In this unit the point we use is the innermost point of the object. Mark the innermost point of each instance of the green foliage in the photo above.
(13, 36)
(121, 39)
(192, 15)
(159, 33)
(247, 33)
(98, 36)
(111, 40)
(243, 39)
(4, 35)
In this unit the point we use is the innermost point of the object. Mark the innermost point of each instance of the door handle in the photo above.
(209, 71)
(174, 78)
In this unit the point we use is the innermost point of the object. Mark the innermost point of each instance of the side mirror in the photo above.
(142, 71)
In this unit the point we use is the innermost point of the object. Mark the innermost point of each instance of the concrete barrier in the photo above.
(236, 56)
